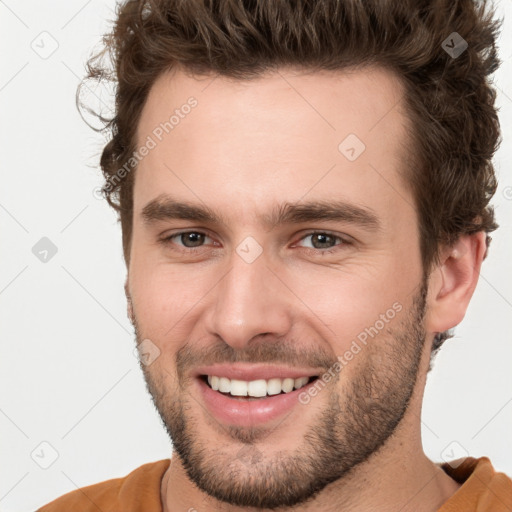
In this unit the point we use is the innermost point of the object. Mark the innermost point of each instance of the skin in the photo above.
(246, 148)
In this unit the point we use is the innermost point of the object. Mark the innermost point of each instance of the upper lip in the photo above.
(249, 372)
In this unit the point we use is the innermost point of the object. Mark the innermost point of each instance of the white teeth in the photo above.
(256, 388)
(274, 386)
(238, 387)
(302, 381)
(288, 385)
(224, 385)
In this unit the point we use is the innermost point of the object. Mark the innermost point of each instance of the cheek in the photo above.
(354, 305)
(167, 298)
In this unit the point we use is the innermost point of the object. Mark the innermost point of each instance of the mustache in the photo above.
(270, 352)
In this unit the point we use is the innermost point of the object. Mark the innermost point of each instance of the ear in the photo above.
(453, 281)
(129, 308)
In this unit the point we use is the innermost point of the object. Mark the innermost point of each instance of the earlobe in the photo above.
(453, 281)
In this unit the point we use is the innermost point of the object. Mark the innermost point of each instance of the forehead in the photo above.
(278, 137)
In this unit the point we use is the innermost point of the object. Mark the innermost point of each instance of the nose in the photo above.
(249, 301)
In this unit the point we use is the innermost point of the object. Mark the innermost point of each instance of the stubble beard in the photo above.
(354, 424)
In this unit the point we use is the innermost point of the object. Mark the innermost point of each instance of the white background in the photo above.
(68, 374)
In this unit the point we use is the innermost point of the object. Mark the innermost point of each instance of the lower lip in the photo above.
(246, 413)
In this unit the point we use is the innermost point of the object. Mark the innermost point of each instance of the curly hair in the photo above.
(443, 51)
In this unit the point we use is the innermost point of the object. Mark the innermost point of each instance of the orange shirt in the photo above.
(483, 490)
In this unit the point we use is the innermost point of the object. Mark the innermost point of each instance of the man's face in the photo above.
(307, 270)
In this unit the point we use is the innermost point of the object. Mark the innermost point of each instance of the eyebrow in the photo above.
(165, 207)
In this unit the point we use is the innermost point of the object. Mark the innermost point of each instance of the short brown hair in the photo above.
(448, 95)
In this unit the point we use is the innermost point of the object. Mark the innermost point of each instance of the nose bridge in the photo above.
(248, 301)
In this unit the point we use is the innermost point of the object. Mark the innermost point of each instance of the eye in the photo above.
(187, 239)
(325, 242)
(321, 241)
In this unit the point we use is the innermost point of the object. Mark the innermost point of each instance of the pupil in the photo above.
(194, 238)
(321, 236)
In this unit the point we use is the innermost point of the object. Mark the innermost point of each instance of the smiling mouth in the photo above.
(255, 389)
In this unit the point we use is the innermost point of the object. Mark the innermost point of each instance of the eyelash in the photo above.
(168, 240)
